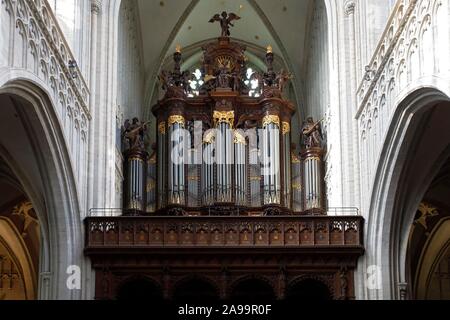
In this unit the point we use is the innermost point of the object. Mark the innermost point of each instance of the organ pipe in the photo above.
(271, 160)
(177, 153)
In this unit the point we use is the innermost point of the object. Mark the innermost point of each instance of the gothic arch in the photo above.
(405, 170)
(50, 185)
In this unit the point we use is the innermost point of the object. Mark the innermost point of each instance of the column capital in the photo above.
(96, 6)
(349, 8)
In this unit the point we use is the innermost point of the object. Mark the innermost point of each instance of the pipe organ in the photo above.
(223, 180)
(224, 152)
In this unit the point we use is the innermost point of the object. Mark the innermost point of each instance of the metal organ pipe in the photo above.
(177, 152)
(271, 154)
(151, 184)
(240, 168)
(287, 174)
(313, 180)
(224, 155)
(162, 165)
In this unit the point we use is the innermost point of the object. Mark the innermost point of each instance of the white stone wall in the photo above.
(34, 56)
(317, 96)
(412, 54)
(33, 47)
(130, 62)
(74, 19)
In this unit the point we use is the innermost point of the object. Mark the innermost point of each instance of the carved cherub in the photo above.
(225, 22)
(282, 79)
(25, 211)
(165, 80)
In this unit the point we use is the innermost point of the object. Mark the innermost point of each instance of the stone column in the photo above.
(95, 11)
(350, 7)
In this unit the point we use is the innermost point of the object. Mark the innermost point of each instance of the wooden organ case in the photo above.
(234, 139)
(223, 198)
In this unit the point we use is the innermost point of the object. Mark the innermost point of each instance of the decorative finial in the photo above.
(269, 49)
(178, 48)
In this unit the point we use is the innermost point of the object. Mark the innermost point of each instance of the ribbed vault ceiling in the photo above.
(279, 23)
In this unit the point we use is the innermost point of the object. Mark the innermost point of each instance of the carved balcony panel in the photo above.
(118, 233)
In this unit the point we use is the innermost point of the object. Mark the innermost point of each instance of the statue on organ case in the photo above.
(223, 77)
(225, 22)
(134, 133)
(312, 134)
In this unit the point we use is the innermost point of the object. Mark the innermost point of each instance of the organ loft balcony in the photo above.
(314, 234)
(223, 194)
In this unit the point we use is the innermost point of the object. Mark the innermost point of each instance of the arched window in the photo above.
(196, 83)
(253, 85)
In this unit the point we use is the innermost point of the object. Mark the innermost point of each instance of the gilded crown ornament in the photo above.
(224, 117)
(270, 119)
(176, 119)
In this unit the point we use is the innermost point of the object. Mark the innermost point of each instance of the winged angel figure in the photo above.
(225, 22)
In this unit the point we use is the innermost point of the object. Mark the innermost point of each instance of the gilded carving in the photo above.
(210, 137)
(223, 117)
(25, 211)
(426, 211)
(176, 119)
(271, 119)
(286, 127)
(295, 159)
(239, 138)
(162, 127)
(151, 185)
(296, 186)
